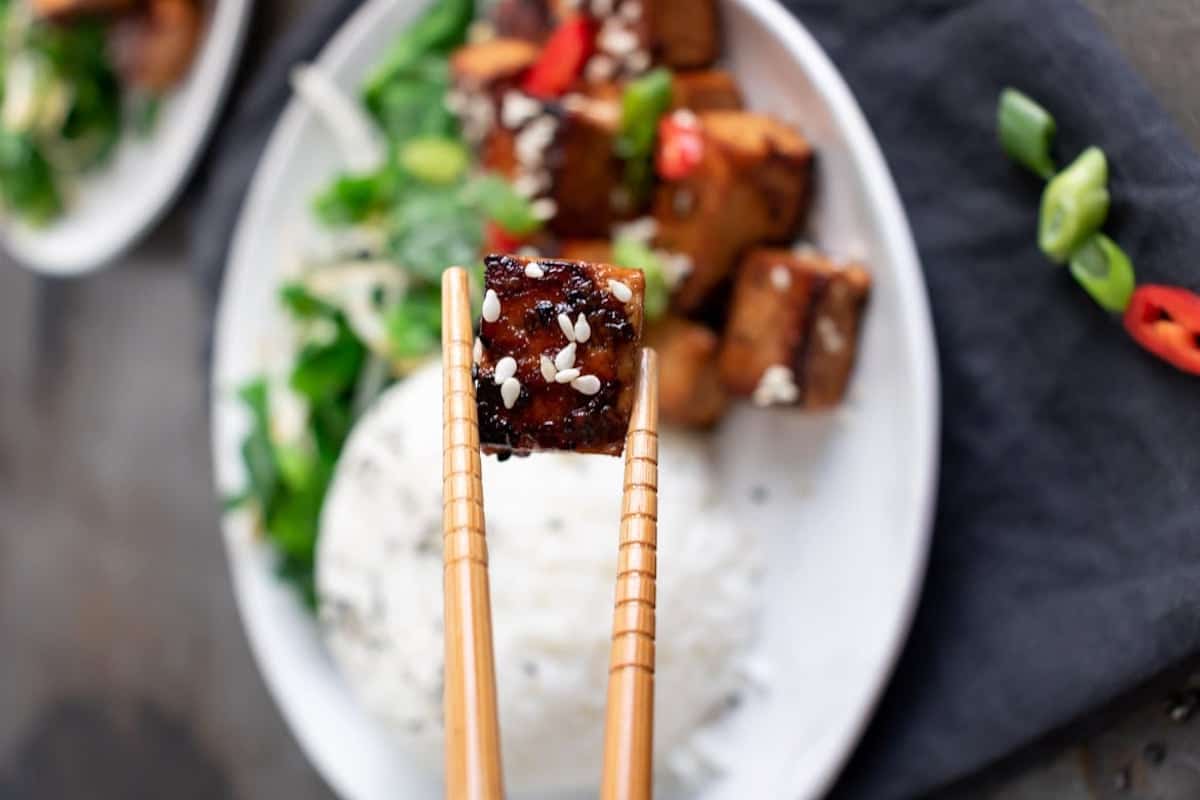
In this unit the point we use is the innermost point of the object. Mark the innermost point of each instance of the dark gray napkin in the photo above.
(1066, 561)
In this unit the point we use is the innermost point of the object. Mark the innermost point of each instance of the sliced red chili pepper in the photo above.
(498, 240)
(562, 59)
(680, 145)
(1166, 321)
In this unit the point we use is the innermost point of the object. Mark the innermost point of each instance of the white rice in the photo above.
(552, 535)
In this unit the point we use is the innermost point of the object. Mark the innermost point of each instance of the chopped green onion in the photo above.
(1103, 269)
(501, 204)
(1026, 132)
(435, 160)
(1074, 205)
(633, 254)
(643, 103)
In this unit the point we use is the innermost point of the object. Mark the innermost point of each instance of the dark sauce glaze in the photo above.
(556, 416)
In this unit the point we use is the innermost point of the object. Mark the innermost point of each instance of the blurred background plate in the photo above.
(850, 494)
(113, 208)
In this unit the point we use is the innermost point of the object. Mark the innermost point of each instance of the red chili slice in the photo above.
(1166, 321)
(498, 240)
(680, 146)
(562, 59)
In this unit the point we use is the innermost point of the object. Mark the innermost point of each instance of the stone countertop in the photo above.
(125, 671)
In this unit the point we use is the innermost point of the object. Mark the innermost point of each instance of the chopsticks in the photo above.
(629, 726)
(473, 767)
(473, 770)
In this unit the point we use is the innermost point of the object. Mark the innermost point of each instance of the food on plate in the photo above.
(557, 355)
(552, 527)
(793, 328)
(749, 183)
(76, 74)
(601, 133)
(690, 392)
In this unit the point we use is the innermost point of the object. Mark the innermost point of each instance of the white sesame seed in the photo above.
(777, 386)
(567, 375)
(676, 267)
(531, 184)
(534, 270)
(686, 118)
(568, 329)
(638, 61)
(831, 338)
(620, 290)
(478, 351)
(549, 371)
(516, 109)
(510, 390)
(642, 230)
(600, 68)
(631, 10)
(602, 8)
(544, 209)
(531, 143)
(491, 306)
(505, 369)
(583, 331)
(616, 39)
(586, 384)
(781, 278)
(566, 357)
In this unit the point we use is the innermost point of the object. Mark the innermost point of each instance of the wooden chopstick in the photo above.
(473, 770)
(629, 726)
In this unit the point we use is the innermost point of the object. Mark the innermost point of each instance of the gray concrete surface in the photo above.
(123, 669)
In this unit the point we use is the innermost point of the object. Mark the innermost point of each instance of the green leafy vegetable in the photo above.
(633, 254)
(27, 184)
(352, 199)
(431, 229)
(413, 104)
(499, 202)
(415, 323)
(326, 370)
(643, 104)
(439, 30)
(144, 112)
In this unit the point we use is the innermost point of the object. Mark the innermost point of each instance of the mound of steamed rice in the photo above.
(552, 536)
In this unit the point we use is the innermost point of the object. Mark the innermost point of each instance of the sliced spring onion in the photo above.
(1026, 132)
(436, 160)
(643, 103)
(503, 205)
(1074, 205)
(634, 254)
(1105, 271)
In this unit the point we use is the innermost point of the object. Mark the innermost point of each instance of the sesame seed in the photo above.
(602, 8)
(534, 270)
(642, 230)
(478, 351)
(631, 10)
(686, 118)
(676, 267)
(638, 61)
(528, 251)
(600, 68)
(491, 306)
(620, 290)
(777, 386)
(549, 371)
(505, 369)
(531, 184)
(831, 338)
(583, 331)
(544, 209)
(568, 329)
(567, 375)
(618, 40)
(586, 384)
(566, 357)
(510, 390)
(781, 279)
(516, 109)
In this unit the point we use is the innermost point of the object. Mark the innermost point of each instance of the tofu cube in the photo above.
(751, 187)
(493, 64)
(705, 90)
(531, 20)
(793, 328)
(557, 357)
(690, 392)
(684, 34)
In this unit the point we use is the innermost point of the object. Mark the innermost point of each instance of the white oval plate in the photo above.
(851, 494)
(108, 211)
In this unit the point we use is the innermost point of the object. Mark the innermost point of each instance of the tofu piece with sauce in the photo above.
(556, 358)
(705, 90)
(482, 74)
(751, 187)
(690, 392)
(792, 333)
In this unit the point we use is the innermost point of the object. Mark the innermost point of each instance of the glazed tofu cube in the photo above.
(633, 34)
(531, 20)
(557, 356)
(690, 392)
(705, 90)
(751, 186)
(491, 65)
(792, 333)
(599, 250)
